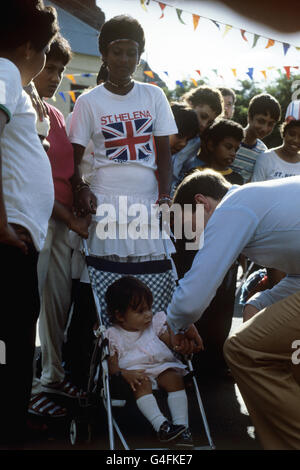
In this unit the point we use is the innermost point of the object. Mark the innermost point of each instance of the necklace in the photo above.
(119, 86)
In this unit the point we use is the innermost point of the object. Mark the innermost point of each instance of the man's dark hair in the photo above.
(60, 50)
(121, 27)
(228, 92)
(220, 129)
(206, 95)
(207, 182)
(26, 20)
(186, 120)
(264, 103)
(126, 292)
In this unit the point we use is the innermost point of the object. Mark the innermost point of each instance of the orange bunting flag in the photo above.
(227, 29)
(194, 82)
(243, 35)
(149, 73)
(198, 71)
(196, 19)
(271, 43)
(162, 6)
(234, 72)
(73, 97)
(71, 77)
(287, 69)
(264, 74)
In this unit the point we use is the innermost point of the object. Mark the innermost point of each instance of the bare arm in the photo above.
(85, 201)
(164, 164)
(77, 224)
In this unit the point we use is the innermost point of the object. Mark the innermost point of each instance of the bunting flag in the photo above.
(199, 73)
(179, 13)
(196, 19)
(234, 72)
(62, 95)
(149, 73)
(286, 47)
(178, 82)
(250, 72)
(215, 23)
(73, 96)
(87, 74)
(215, 70)
(194, 82)
(228, 27)
(271, 43)
(71, 77)
(143, 5)
(166, 73)
(256, 38)
(162, 6)
(287, 69)
(243, 35)
(264, 74)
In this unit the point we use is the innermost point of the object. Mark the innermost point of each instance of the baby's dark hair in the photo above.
(121, 27)
(26, 20)
(220, 129)
(186, 120)
(60, 49)
(264, 103)
(206, 95)
(126, 292)
(288, 125)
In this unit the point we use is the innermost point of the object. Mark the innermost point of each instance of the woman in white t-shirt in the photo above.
(129, 124)
(283, 161)
(26, 202)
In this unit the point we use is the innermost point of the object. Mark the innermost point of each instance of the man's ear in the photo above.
(201, 199)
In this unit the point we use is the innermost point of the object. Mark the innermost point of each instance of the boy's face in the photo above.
(261, 125)
(223, 154)
(178, 142)
(206, 116)
(49, 79)
(291, 140)
(228, 106)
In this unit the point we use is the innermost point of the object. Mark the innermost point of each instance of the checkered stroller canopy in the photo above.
(157, 275)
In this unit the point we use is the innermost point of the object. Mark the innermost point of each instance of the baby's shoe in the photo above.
(185, 439)
(168, 431)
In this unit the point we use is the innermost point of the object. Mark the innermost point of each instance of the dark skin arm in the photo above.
(164, 164)
(77, 224)
(85, 201)
(10, 234)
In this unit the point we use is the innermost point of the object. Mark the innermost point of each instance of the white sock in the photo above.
(149, 407)
(178, 405)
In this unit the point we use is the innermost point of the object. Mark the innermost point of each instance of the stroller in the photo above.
(102, 273)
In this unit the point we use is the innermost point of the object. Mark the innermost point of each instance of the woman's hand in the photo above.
(15, 235)
(80, 225)
(85, 202)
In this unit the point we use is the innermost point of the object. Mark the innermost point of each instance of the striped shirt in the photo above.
(246, 157)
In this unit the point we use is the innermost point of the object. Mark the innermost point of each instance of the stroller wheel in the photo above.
(80, 431)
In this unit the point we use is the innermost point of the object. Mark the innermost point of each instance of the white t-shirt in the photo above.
(122, 130)
(261, 220)
(270, 166)
(26, 171)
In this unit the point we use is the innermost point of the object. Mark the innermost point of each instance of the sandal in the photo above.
(41, 405)
(64, 388)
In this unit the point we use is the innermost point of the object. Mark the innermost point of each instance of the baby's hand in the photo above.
(135, 378)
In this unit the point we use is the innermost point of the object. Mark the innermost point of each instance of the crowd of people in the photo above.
(125, 140)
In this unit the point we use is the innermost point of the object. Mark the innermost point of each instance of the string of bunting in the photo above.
(227, 27)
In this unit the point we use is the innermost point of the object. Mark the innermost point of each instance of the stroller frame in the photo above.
(99, 372)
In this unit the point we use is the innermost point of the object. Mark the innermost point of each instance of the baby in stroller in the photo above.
(139, 345)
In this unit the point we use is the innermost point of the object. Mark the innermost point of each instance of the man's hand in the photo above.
(15, 235)
(135, 377)
(249, 312)
(187, 343)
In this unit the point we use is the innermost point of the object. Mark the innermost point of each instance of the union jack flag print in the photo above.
(129, 140)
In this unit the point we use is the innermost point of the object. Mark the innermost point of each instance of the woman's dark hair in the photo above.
(220, 129)
(60, 49)
(288, 125)
(264, 103)
(206, 95)
(102, 74)
(186, 120)
(121, 27)
(126, 292)
(207, 182)
(26, 20)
